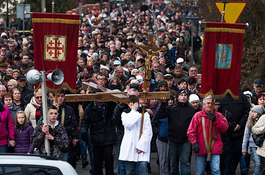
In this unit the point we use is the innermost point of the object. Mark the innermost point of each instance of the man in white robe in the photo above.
(133, 149)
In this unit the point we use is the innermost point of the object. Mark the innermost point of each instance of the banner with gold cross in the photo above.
(222, 56)
(55, 46)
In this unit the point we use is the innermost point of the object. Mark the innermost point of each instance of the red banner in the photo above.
(55, 46)
(222, 56)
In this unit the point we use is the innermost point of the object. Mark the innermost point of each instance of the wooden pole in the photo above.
(53, 6)
(223, 13)
(210, 133)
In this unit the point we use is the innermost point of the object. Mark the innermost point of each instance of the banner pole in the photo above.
(44, 109)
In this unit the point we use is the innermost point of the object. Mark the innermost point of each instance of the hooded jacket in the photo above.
(23, 134)
(60, 142)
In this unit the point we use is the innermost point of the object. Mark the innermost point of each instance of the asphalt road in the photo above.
(154, 167)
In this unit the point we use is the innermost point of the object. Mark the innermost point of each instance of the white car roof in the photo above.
(24, 159)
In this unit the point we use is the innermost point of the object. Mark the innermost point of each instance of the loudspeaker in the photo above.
(33, 76)
(162, 29)
(57, 76)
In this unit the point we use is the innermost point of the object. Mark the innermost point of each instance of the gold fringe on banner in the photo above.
(229, 30)
(228, 91)
(56, 20)
(58, 90)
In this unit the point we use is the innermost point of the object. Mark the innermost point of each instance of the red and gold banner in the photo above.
(55, 46)
(222, 56)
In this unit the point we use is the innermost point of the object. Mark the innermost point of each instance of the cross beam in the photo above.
(109, 95)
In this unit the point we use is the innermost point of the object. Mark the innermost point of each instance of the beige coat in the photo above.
(259, 128)
(30, 111)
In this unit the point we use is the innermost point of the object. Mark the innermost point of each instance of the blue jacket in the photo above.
(160, 127)
(172, 53)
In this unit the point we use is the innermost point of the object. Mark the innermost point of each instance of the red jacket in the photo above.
(195, 131)
(7, 130)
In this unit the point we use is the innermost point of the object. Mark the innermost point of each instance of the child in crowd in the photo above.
(255, 114)
(134, 148)
(23, 131)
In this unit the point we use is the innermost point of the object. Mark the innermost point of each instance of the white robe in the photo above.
(131, 142)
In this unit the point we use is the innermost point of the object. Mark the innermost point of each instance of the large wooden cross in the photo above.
(121, 97)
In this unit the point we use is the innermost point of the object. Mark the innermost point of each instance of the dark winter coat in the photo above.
(239, 110)
(231, 126)
(25, 91)
(196, 44)
(14, 24)
(182, 47)
(70, 122)
(60, 142)
(179, 118)
(118, 110)
(102, 127)
(14, 111)
(23, 134)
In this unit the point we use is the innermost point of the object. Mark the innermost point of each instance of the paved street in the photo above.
(154, 167)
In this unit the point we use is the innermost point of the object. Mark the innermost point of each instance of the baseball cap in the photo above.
(258, 82)
(21, 77)
(116, 63)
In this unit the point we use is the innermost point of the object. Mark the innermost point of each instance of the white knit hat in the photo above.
(193, 97)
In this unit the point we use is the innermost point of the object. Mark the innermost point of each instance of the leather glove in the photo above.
(84, 136)
(212, 116)
(195, 147)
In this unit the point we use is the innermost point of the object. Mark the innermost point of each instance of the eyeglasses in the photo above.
(38, 97)
(101, 79)
(2, 91)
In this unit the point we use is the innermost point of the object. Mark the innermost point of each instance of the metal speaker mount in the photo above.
(33, 76)
(57, 76)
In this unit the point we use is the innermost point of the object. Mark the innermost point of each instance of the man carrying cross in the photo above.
(98, 117)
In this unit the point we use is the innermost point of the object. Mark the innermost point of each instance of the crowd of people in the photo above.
(108, 132)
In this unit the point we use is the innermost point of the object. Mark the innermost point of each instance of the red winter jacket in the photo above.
(195, 131)
(7, 130)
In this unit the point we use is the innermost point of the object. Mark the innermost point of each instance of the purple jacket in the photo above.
(6, 126)
(23, 144)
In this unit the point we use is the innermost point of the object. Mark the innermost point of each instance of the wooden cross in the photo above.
(149, 50)
(109, 95)
(121, 97)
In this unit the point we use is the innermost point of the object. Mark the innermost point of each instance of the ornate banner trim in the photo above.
(59, 89)
(229, 30)
(52, 20)
(210, 92)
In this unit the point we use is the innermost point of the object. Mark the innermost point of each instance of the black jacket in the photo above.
(118, 110)
(25, 91)
(102, 128)
(239, 110)
(70, 121)
(179, 118)
(231, 126)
